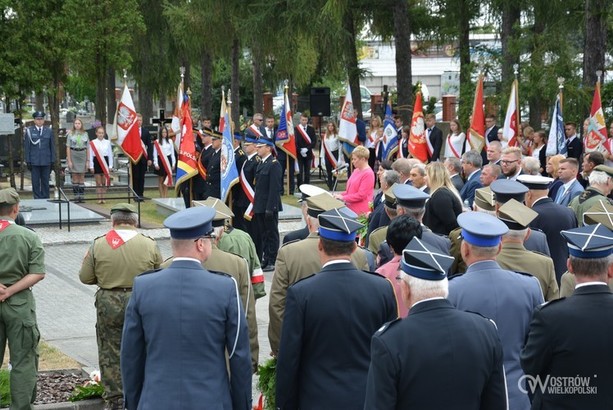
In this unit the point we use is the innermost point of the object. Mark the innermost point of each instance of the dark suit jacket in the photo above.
(325, 342)
(213, 175)
(436, 139)
(469, 188)
(361, 128)
(268, 185)
(553, 218)
(457, 182)
(145, 137)
(194, 317)
(553, 188)
(300, 141)
(408, 354)
(378, 217)
(493, 134)
(296, 235)
(442, 210)
(39, 147)
(572, 337)
(575, 149)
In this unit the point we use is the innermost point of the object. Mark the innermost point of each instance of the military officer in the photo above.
(328, 322)
(571, 338)
(39, 148)
(551, 219)
(601, 213)
(515, 257)
(298, 260)
(111, 263)
(408, 355)
(185, 343)
(307, 190)
(267, 204)
(213, 168)
(601, 185)
(243, 201)
(234, 265)
(239, 206)
(506, 189)
(23, 266)
(506, 297)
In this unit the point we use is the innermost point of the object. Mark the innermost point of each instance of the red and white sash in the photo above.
(330, 157)
(304, 135)
(400, 150)
(429, 144)
(249, 191)
(101, 162)
(255, 130)
(608, 145)
(4, 224)
(165, 163)
(453, 150)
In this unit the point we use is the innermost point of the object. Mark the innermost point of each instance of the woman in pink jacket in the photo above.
(360, 184)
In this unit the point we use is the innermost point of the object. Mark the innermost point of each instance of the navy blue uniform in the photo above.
(39, 147)
(267, 205)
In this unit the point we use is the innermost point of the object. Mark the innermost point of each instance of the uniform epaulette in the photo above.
(524, 273)
(456, 275)
(386, 326)
(289, 242)
(551, 302)
(151, 271)
(536, 229)
(541, 253)
(374, 273)
(378, 229)
(298, 281)
(148, 237)
(241, 152)
(274, 160)
(98, 237)
(219, 273)
(484, 317)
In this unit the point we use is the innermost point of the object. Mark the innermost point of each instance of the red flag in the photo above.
(597, 130)
(127, 127)
(286, 139)
(511, 120)
(476, 133)
(186, 163)
(418, 146)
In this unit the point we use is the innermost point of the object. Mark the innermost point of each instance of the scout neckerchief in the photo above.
(117, 238)
(304, 135)
(165, 163)
(101, 162)
(248, 190)
(4, 224)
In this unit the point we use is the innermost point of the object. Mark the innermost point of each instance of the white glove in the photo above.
(303, 152)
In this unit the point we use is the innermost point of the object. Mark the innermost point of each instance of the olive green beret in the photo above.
(123, 207)
(9, 196)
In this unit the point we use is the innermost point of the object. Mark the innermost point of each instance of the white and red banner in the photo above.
(476, 133)
(128, 134)
(510, 129)
(597, 129)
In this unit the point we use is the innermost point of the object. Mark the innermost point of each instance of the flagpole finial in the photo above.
(598, 74)
(223, 88)
(189, 91)
(516, 69)
(561, 82)
(182, 71)
(125, 75)
(286, 84)
(229, 97)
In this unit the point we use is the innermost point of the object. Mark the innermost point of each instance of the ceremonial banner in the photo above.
(285, 138)
(186, 162)
(128, 135)
(511, 120)
(556, 144)
(417, 139)
(476, 133)
(347, 129)
(229, 173)
(389, 142)
(177, 119)
(222, 112)
(597, 130)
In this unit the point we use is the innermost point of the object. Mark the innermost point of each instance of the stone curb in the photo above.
(92, 404)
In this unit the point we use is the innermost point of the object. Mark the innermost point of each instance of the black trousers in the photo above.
(331, 179)
(266, 232)
(138, 176)
(304, 166)
(239, 221)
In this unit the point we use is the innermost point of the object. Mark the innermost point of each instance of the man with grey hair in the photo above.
(403, 166)
(471, 166)
(570, 338)
(506, 297)
(407, 354)
(531, 166)
(111, 263)
(417, 176)
(454, 167)
(601, 185)
(489, 174)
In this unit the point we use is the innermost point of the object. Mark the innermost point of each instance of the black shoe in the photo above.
(269, 268)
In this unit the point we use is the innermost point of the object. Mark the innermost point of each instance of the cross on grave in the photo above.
(161, 120)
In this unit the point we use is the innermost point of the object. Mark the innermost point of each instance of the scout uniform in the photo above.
(513, 256)
(22, 254)
(297, 260)
(112, 262)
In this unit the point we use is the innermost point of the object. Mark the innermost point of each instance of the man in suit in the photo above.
(201, 350)
(551, 219)
(305, 143)
(299, 259)
(567, 173)
(325, 340)
(213, 168)
(506, 297)
(510, 162)
(267, 204)
(418, 178)
(408, 354)
(434, 137)
(489, 174)
(570, 338)
(574, 146)
(471, 166)
(239, 197)
(514, 256)
(491, 135)
(39, 148)
(504, 190)
(140, 168)
(270, 131)
(494, 152)
(454, 167)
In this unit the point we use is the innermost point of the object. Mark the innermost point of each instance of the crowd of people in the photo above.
(503, 255)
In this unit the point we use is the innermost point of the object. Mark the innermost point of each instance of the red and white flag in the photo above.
(597, 129)
(476, 133)
(347, 129)
(418, 146)
(511, 120)
(177, 117)
(128, 135)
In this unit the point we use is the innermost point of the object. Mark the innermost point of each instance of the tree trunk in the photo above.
(258, 79)
(536, 102)
(101, 83)
(54, 111)
(351, 59)
(595, 42)
(404, 80)
(145, 103)
(466, 88)
(206, 103)
(510, 17)
(111, 99)
(235, 83)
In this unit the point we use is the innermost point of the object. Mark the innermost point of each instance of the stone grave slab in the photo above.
(45, 212)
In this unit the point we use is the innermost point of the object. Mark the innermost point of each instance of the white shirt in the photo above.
(168, 150)
(103, 146)
(580, 285)
(331, 142)
(336, 261)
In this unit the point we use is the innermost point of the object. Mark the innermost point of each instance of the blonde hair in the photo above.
(361, 152)
(438, 177)
(512, 150)
(378, 119)
(555, 163)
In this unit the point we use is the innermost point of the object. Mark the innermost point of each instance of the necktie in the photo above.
(560, 194)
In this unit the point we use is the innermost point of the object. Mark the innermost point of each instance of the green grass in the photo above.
(5, 388)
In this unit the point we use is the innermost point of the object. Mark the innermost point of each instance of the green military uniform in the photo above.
(240, 243)
(568, 283)
(376, 238)
(515, 257)
(458, 266)
(587, 199)
(21, 252)
(112, 266)
(296, 260)
(235, 266)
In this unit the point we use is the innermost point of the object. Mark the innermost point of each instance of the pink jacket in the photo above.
(390, 271)
(359, 190)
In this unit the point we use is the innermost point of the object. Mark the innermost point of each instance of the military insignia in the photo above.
(386, 326)
(125, 116)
